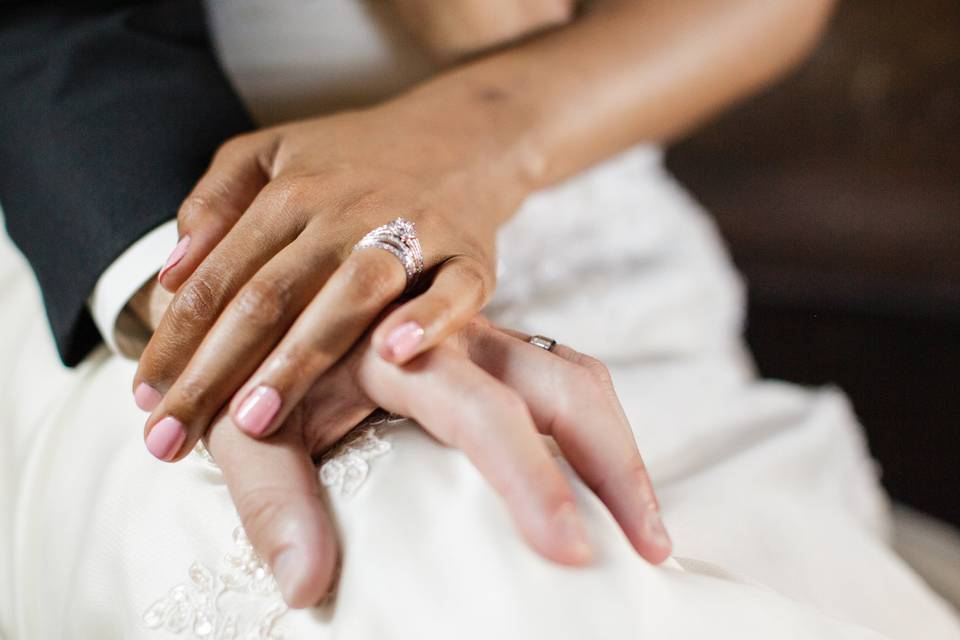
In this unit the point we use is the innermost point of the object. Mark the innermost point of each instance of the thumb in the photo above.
(274, 486)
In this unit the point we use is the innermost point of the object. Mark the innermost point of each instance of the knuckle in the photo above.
(374, 280)
(160, 364)
(361, 201)
(196, 206)
(189, 398)
(583, 381)
(512, 402)
(596, 372)
(546, 483)
(197, 302)
(635, 471)
(556, 492)
(443, 312)
(632, 474)
(288, 192)
(295, 360)
(233, 145)
(263, 304)
(259, 510)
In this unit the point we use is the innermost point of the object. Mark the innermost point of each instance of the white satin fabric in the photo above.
(767, 489)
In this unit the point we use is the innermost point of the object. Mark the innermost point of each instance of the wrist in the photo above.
(481, 126)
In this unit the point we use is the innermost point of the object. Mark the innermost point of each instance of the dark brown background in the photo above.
(839, 192)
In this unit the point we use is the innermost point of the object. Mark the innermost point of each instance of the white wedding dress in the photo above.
(768, 491)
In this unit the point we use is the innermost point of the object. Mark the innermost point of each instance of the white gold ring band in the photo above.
(545, 343)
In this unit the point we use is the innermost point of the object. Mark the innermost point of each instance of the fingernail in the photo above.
(404, 340)
(175, 256)
(146, 397)
(289, 570)
(655, 532)
(571, 530)
(258, 409)
(166, 438)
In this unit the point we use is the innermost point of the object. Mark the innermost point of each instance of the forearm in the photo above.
(627, 71)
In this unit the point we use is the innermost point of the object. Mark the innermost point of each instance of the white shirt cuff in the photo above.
(123, 332)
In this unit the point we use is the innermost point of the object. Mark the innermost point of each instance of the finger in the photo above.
(242, 336)
(572, 399)
(458, 292)
(465, 407)
(274, 486)
(273, 221)
(236, 175)
(348, 304)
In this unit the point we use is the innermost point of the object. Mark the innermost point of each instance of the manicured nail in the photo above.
(404, 340)
(166, 438)
(175, 256)
(258, 409)
(290, 572)
(146, 397)
(655, 532)
(571, 530)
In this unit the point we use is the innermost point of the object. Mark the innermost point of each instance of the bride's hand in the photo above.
(268, 293)
(484, 391)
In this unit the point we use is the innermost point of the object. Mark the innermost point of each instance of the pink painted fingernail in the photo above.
(258, 409)
(404, 340)
(146, 397)
(166, 438)
(175, 256)
(655, 532)
(571, 530)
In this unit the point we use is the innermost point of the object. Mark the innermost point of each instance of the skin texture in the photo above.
(268, 295)
(454, 29)
(474, 392)
(280, 297)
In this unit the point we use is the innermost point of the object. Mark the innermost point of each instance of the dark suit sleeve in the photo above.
(109, 113)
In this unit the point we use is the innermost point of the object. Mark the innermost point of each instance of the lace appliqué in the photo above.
(349, 464)
(240, 601)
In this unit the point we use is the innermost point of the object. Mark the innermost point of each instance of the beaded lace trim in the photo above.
(241, 600)
(348, 466)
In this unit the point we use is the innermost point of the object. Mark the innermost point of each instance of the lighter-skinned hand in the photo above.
(485, 391)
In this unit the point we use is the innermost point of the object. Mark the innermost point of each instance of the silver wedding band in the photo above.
(545, 343)
(398, 238)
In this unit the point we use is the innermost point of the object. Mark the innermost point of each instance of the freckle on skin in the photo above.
(492, 94)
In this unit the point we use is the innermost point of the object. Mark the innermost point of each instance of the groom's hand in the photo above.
(477, 392)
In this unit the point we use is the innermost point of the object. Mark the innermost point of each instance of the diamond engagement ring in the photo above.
(400, 239)
(545, 343)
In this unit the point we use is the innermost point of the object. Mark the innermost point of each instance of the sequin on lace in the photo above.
(241, 600)
(349, 464)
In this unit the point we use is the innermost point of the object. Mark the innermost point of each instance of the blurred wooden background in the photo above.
(839, 193)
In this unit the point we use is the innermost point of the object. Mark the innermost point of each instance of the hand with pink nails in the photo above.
(269, 295)
(477, 391)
